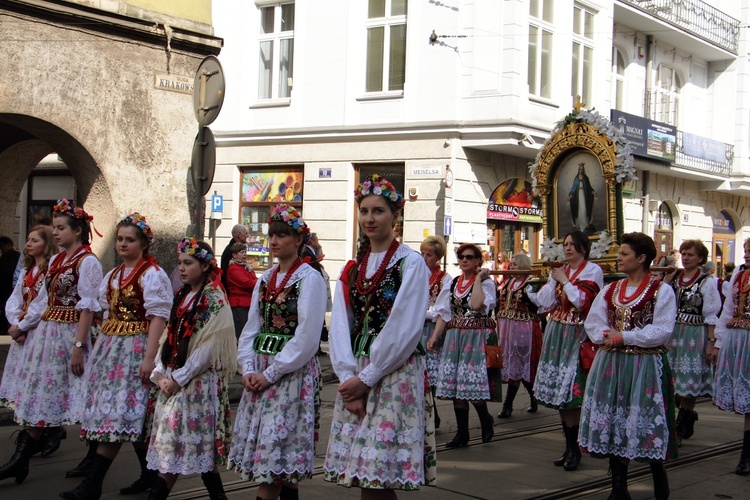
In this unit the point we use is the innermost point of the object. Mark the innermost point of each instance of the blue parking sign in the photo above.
(217, 203)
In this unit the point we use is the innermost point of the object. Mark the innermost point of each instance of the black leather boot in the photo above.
(743, 468)
(508, 403)
(688, 423)
(214, 486)
(18, 465)
(159, 490)
(288, 493)
(91, 487)
(146, 480)
(574, 451)
(661, 484)
(488, 423)
(462, 435)
(619, 473)
(54, 436)
(533, 406)
(561, 461)
(83, 467)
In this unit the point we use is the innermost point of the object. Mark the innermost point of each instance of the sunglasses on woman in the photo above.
(466, 256)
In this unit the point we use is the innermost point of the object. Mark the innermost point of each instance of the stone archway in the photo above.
(31, 139)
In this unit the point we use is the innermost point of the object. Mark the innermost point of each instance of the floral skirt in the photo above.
(732, 389)
(560, 381)
(432, 359)
(275, 432)
(13, 364)
(628, 410)
(393, 445)
(463, 365)
(116, 399)
(191, 430)
(693, 375)
(522, 344)
(48, 394)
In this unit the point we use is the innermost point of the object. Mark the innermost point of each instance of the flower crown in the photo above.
(376, 184)
(139, 221)
(189, 246)
(290, 216)
(64, 207)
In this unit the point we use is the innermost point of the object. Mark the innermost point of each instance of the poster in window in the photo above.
(272, 186)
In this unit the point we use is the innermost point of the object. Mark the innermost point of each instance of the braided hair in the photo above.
(363, 244)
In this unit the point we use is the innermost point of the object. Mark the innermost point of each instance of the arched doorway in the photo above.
(663, 231)
(723, 244)
(25, 142)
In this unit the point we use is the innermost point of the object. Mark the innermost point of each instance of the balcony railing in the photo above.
(696, 17)
(704, 165)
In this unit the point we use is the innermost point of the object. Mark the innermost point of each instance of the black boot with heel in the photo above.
(147, 477)
(461, 438)
(18, 465)
(508, 403)
(533, 406)
(561, 461)
(574, 451)
(214, 486)
(91, 487)
(619, 473)
(488, 423)
(661, 484)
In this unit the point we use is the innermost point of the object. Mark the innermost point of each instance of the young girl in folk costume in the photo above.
(628, 409)
(40, 247)
(276, 425)
(464, 307)
(136, 297)
(690, 347)
(731, 354)
(519, 334)
(50, 382)
(381, 438)
(433, 249)
(560, 378)
(191, 425)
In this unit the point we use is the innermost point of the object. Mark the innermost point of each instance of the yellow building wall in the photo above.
(195, 10)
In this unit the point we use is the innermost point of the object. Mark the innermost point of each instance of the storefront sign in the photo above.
(649, 138)
(513, 200)
(704, 148)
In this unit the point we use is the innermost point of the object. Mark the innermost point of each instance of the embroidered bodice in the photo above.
(62, 284)
(513, 302)
(689, 300)
(741, 312)
(280, 316)
(30, 289)
(636, 312)
(127, 310)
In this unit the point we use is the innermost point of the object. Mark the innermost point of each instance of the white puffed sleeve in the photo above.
(490, 296)
(311, 312)
(432, 312)
(402, 331)
(545, 297)
(339, 334)
(578, 296)
(14, 305)
(157, 293)
(245, 351)
(442, 305)
(89, 280)
(103, 288)
(727, 311)
(711, 300)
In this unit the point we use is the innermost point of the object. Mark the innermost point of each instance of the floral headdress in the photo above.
(189, 246)
(64, 207)
(139, 221)
(290, 216)
(376, 184)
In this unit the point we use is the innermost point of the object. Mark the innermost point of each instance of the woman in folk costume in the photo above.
(191, 426)
(519, 334)
(433, 249)
(50, 382)
(690, 347)
(276, 426)
(731, 355)
(382, 437)
(560, 378)
(628, 409)
(137, 297)
(40, 247)
(464, 307)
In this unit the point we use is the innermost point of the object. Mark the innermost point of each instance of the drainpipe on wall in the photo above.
(646, 198)
(650, 51)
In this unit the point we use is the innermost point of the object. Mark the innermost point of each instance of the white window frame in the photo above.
(386, 22)
(545, 34)
(276, 37)
(618, 79)
(666, 99)
(581, 76)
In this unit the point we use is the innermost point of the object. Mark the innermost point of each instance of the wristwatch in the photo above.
(80, 345)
